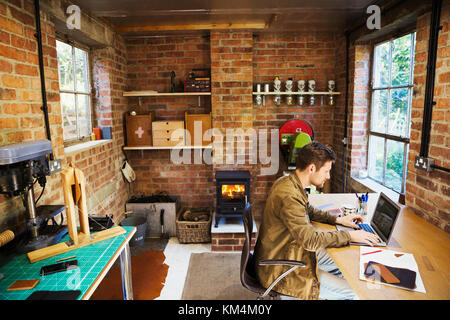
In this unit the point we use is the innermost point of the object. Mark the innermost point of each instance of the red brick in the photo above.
(18, 136)
(11, 26)
(5, 66)
(7, 94)
(26, 70)
(14, 81)
(12, 53)
(16, 108)
(8, 123)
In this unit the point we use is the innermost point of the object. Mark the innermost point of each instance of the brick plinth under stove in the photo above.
(230, 235)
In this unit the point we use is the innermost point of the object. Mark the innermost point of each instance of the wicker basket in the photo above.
(193, 231)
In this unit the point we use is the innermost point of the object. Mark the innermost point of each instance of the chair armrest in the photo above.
(282, 262)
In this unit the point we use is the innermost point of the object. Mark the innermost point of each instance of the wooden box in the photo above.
(139, 129)
(162, 133)
(202, 119)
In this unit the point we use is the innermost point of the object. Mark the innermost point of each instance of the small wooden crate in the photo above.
(193, 231)
(162, 133)
(205, 122)
(139, 129)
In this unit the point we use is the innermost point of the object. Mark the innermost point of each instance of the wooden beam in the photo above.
(201, 26)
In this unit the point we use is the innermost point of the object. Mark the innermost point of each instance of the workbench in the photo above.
(94, 262)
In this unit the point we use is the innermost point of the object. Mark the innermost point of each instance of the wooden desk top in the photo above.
(412, 234)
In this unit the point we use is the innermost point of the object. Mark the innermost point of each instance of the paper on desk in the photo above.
(389, 258)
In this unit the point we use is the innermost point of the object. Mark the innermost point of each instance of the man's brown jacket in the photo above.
(286, 233)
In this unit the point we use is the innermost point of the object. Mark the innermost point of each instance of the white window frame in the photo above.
(400, 138)
(77, 93)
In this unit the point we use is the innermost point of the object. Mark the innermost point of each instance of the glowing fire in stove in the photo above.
(233, 191)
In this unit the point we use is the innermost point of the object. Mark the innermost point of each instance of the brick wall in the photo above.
(21, 118)
(231, 91)
(230, 241)
(150, 62)
(339, 113)
(237, 60)
(428, 194)
(300, 57)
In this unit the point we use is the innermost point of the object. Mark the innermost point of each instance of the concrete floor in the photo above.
(177, 258)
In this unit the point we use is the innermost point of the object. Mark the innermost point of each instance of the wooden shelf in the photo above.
(163, 94)
(167, 148)
(306, 93)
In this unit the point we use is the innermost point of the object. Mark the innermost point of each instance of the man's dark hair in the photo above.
(314, 153)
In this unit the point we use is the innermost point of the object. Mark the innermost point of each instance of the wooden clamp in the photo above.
(74, 189)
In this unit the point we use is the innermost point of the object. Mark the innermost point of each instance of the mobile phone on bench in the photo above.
(59, 267)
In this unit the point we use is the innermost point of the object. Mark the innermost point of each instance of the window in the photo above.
(74, 89)
(391, 93)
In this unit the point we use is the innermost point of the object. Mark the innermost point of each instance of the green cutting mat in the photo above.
(92, 259)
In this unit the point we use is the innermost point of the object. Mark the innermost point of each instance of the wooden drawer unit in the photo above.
(139, 129)
(162, 133)
(197, 119)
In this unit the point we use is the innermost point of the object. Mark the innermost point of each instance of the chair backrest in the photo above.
(247, 269)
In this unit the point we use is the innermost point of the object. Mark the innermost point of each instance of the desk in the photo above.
(94, 262)
(412, 234)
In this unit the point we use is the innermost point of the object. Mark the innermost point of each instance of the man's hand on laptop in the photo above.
(364, 236)
(350, 221)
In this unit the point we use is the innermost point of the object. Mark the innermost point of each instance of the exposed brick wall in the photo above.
(238, 60)
(339, 113)
(428, 194)
(150, 62)
(232, 104)
(230, 241)
(358, 119)
(22, 119)
(231, 91)
(300, 57)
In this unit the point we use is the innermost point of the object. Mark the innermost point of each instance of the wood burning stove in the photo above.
(233, 192)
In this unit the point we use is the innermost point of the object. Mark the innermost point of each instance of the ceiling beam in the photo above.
(198, 26)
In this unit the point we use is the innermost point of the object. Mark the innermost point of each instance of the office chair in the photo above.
(249, 278)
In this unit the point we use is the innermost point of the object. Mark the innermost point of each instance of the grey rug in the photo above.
(215, 276)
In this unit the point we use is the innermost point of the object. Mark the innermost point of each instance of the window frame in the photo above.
(372, 89)
(88, 92)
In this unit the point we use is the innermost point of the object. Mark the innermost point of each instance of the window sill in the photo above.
(85, 145)
(376, 187)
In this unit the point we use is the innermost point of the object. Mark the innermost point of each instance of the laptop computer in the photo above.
(382, 222)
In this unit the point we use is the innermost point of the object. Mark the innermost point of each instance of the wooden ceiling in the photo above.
(162, 17)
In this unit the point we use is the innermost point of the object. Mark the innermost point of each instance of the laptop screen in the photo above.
(385, 215)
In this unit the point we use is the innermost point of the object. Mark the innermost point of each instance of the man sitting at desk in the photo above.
(287, 233)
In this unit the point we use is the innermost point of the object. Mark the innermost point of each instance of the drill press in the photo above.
(21, 166)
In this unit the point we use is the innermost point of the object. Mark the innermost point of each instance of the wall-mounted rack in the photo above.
(306, 93)
(142, 149)
(261, 96)
(151, 93)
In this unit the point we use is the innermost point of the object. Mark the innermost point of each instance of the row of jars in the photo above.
(301, 86)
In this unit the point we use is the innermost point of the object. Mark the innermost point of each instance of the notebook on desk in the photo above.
(382, 223)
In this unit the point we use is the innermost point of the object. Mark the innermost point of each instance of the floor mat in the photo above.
(215, 276)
